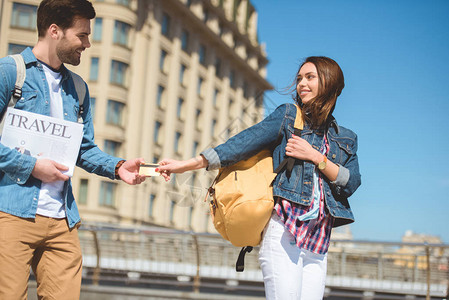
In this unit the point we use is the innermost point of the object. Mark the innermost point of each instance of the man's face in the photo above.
(74, 41)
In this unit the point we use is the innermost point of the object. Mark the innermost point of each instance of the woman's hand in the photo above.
(168, 166)
(299, 148)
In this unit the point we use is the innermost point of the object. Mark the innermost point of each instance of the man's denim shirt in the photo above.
(273, 133)
(19, 191)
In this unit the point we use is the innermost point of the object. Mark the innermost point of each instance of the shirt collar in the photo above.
(333, 123)
(28, 57)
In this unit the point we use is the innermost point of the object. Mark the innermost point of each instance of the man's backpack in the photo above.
(242, 198)
(80, 88)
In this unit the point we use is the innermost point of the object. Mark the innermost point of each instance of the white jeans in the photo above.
(288, 271)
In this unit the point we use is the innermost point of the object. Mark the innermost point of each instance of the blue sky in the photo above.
(395, 58)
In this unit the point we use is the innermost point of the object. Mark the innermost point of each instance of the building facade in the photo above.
(167, 78)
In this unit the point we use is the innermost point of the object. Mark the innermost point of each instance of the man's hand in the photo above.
(129, 171)
(47, 170)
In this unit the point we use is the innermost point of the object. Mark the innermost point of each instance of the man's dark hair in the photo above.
(62, 13)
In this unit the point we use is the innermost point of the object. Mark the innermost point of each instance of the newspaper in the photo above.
(43, 137)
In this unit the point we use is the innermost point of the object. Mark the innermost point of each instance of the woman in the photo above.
(313, 197)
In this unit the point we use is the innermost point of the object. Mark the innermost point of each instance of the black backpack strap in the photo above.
(289, 161)
(240, 264)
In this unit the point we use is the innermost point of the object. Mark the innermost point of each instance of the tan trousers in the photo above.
(49, 247)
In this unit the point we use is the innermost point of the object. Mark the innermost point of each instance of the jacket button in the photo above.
(334, 156)
(18, 179)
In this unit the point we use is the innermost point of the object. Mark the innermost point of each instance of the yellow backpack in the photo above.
(242, 198)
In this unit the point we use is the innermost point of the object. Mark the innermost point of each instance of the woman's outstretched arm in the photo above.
(168, 166)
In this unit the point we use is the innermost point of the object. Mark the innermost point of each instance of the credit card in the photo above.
(149, 170)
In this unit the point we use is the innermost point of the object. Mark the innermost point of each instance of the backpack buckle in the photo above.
(17, 93)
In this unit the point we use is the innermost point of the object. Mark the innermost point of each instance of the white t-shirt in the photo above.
(51, 202)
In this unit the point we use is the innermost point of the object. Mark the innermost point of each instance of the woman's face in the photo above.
(307, 82)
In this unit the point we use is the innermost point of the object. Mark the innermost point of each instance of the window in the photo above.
(190, 216)
(198, 119)
(94, 69)
(220, 29)
(160, 94)
(172, 210)
(107, 193)
(232, 79)
(202, 54)
(15, 48)
(200, 86)
(93, 100)
(157, 128)
(218, 67)
(246, 90)
(179, 108)
(114, 113)
(165, 25)
(123, 2)
(195, 148)
(231, 106)
(177, 140)
(118, 72)
(82, 194)
(229, 132)
(215, 97)
(121, 33)
(24, 16)
(212, 128)
(162, 61)
(206, 221)
(182, 71)
(111, 147)
(193, 179)
(98, 30)
(185, 40)
(151, 205)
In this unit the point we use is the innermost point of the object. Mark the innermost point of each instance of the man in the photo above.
(38, 215)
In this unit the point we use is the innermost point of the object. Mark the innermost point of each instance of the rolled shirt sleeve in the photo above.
(212, 158)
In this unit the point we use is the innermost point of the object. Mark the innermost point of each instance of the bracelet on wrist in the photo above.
(117, 167)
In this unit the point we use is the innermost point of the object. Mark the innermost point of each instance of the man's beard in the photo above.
(66, 54)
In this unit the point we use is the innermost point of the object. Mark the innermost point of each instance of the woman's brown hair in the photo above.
(331, 82)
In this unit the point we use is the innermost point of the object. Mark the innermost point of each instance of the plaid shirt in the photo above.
(313, 235)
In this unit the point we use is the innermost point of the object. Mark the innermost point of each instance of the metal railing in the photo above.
(193, 261)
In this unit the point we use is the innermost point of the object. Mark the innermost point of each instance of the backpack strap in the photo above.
(20, 79)
(289, 161)
(240, 264)
(80, 88)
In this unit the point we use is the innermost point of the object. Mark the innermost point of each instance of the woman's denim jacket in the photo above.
(273, 133)
(19, 191)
